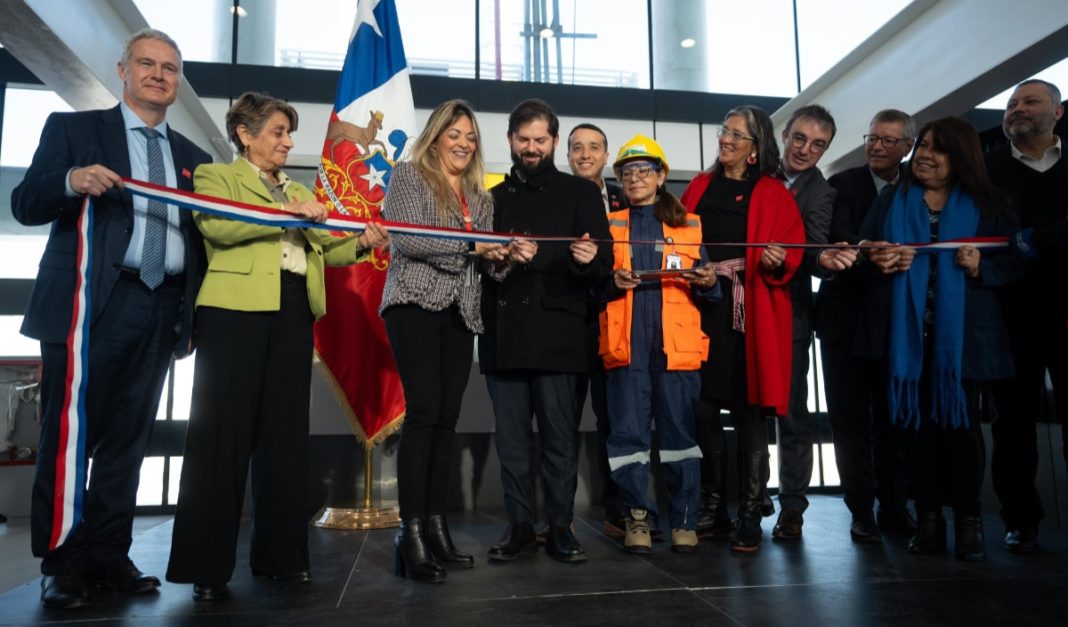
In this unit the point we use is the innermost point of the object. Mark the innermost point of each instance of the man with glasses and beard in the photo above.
(807, 136)
(533, 351)
(1032, 169)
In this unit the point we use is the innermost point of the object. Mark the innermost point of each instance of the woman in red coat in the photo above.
(748, 368)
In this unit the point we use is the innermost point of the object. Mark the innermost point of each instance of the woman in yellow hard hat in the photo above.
(652, 345)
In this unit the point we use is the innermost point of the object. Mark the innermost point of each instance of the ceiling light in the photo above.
(545, 33)
(241, 12)
(689, 42)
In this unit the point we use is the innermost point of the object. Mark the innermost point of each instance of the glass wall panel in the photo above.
(1056, 74)
(25, 112)
(750, 48)
(568, 42)
(201, 28)
(828, 30)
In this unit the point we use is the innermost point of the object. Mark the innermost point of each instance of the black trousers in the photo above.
(751, 430)
(868, 449)
(947, 465)
(251, 395)
(610, 499)
(1014, 458)
(551, 398)
(795, 433)
(433, 351)
(130, 350)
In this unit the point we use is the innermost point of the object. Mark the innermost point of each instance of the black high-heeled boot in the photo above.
(969, 544)
(413, 558)
(930, 535)
(441, 546)
(748, 534)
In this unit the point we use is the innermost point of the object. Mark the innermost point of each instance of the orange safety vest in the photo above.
(685, 345)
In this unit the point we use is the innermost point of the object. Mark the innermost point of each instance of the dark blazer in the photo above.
(71, 140)
(986, 354)
(838, 303)
(536, 318)
(815, 198)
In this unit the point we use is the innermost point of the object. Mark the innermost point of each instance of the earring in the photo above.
(751, 159)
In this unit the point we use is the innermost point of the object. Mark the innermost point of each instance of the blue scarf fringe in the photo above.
(907, 221)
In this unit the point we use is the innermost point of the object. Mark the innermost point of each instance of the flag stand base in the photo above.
(366, 517)
(357, 517)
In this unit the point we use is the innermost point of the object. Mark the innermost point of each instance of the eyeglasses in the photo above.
(733, 134)
(888, 142)
(637, 171)
(800, 140)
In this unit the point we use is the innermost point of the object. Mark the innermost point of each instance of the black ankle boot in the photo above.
(713, 520)
(413, 557)
(441, 546)
(748, 534)
(969, 544)
(930, 535)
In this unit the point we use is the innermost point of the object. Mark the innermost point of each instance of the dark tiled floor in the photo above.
(821, 580)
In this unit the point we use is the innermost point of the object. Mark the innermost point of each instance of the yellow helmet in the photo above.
(641, 147)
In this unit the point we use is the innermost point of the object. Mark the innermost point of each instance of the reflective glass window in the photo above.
(828, 30)
(568, 42)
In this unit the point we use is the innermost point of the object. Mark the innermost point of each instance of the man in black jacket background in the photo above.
(1033, 170)
(587, 154)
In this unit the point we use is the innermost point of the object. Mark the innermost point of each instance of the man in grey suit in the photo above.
(807, 136)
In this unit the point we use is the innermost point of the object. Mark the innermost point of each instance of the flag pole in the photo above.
(366, 517)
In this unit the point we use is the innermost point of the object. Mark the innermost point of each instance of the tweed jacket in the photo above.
(433, 273)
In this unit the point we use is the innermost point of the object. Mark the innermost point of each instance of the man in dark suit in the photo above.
(147, 261)
(865, 445)
(1035, 173)
(807, 135)
(533, 351)
(587, 154)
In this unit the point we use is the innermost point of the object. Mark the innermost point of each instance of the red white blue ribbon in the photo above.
(269, 216)
(69, 493)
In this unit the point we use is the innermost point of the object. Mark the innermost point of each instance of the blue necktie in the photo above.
(154, 251)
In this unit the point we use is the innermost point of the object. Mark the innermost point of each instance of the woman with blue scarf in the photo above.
(934, 319)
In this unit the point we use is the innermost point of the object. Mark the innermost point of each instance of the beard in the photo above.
(544, 163)
(1021, 127)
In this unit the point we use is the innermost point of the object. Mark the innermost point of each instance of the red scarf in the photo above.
(773, 217)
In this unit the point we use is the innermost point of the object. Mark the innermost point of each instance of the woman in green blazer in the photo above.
(251, 389)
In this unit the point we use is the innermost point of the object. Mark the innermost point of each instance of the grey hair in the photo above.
(891, 116)
(148, 33)
(1054, 93)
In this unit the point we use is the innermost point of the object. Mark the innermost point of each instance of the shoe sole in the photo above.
(638, 550)
(784, 536)
(73, 605)
(745, 549)
(524, 552)
(569, 559)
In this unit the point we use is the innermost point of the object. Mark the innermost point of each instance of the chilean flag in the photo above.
(369, 132)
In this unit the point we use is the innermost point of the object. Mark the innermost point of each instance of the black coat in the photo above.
(986, 355)
(840, 297)
(536, 318)
(71, 140)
